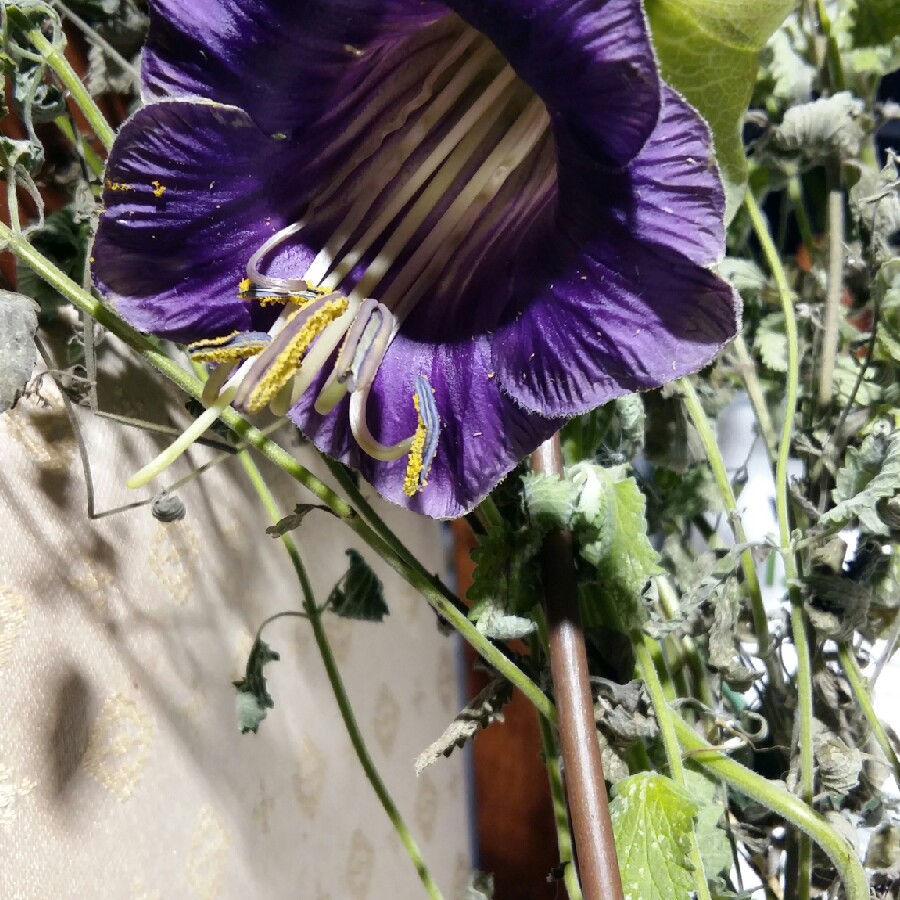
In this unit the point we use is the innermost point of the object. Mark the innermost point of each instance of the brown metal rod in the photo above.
(595, 848)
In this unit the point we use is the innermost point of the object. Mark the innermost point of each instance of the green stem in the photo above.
(645, 649)
(560, 810)
(350, 488)
(69, 77)
(747, 370)
(798, 625)
(864, 700)
(668, 602)
(784, 804)
(729, 501)
(337, 684)
(92, 161)
(834, 284)
(795, 192)
(450, 610)
(488, 514)
(833, 52)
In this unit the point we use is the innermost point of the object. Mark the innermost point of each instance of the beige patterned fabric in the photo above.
(122, 773)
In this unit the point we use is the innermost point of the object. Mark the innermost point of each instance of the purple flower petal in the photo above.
(229, 50)
(189, 197)
(483, 436)
(620, 300)
(589, 60)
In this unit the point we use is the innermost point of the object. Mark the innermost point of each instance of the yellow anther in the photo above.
(284, 367)
(226, 348)
(244, 287)
(158, 189)
(411, 483)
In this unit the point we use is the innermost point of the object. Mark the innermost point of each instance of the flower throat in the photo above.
(415, 185)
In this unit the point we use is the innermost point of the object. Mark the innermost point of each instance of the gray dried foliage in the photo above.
(485, 708)
(825, 129)
(18, 354)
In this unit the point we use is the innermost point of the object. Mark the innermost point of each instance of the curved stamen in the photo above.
(360, 356)
(230, 347)
(278, 363)
(214, 385)
(269, 282)
(360, 429)
(425, 441)
(248, 290)
(321, 351)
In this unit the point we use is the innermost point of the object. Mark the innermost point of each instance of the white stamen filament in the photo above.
(429, 119)
(267, 281)
(362, 435)
(213, 385)
(375, 137)
(517, 143)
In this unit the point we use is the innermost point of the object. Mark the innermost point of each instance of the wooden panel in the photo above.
(513, 810)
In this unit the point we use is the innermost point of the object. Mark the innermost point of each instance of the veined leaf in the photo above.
(709, 51)
(359, 594)
(652, 820)
(871, 488)
(610, 526)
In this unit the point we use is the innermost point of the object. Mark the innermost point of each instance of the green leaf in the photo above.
(744, 275)
(652, 820)
(359, 594)
(846, 374)
(610, 527)
(863, 481)
(63, 238)
(506, 571)
(253, 699)
(770, 342)
(709, 51)
(715, 848)
(868, 35)
(549, 499)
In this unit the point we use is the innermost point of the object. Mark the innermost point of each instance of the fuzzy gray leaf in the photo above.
(835, 604)
(866, 490)
(829, 128)
(18, 324)
(166, 507)
(493, 620)
(839, 765)
(723, 655)
(480, 886)
(875, 200)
